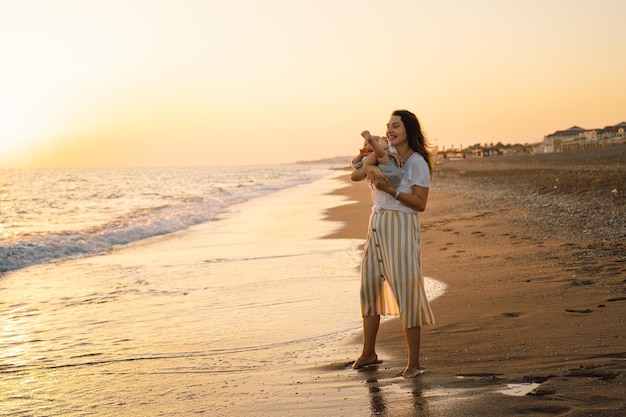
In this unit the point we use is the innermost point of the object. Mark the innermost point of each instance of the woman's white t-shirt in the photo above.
(414, 172)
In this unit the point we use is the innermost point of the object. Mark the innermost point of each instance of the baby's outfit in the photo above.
(391, 171)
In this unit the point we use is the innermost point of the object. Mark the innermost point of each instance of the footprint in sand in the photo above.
(585, 311)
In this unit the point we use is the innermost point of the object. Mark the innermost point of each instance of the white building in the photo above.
(576, 138)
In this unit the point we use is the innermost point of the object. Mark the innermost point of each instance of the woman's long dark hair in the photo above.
(417, 139)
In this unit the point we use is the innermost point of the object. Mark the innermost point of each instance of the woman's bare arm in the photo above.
(358, 174)
(416, 200)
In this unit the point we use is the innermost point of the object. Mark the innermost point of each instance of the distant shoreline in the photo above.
(608, 152)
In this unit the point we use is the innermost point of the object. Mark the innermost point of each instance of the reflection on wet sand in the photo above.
(390, 392)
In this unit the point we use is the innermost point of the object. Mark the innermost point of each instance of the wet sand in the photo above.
(533, 250)
(257, 314)
(250, 315)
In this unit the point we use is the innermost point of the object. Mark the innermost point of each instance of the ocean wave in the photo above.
(47, 225)
(174, 207)
(29, 250)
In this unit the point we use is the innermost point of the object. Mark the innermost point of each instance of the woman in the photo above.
(391, 270)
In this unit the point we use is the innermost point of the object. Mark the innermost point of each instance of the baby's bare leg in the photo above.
(379, 149)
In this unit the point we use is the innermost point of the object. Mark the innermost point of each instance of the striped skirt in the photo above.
(391, 270)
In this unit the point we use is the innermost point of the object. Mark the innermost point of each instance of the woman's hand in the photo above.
(379, 181)
(397, 158)
(372, 171)
(416, 199)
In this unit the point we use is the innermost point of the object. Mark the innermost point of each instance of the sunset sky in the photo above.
(91, 83)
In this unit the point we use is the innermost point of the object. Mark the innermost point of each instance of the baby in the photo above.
(387, 165)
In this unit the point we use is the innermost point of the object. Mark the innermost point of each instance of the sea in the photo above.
(52, 214)
(176, 292)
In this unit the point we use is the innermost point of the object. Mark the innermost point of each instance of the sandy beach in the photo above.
(250, 315)
(257, 314)
(533, 251)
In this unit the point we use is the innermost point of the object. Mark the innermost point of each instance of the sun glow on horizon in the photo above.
(110, 83)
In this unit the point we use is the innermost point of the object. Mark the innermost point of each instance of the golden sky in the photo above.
(232, 82)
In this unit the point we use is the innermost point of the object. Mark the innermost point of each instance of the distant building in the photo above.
(450, 155)
(576, 138)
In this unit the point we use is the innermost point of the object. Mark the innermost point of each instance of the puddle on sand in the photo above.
(519, 390)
